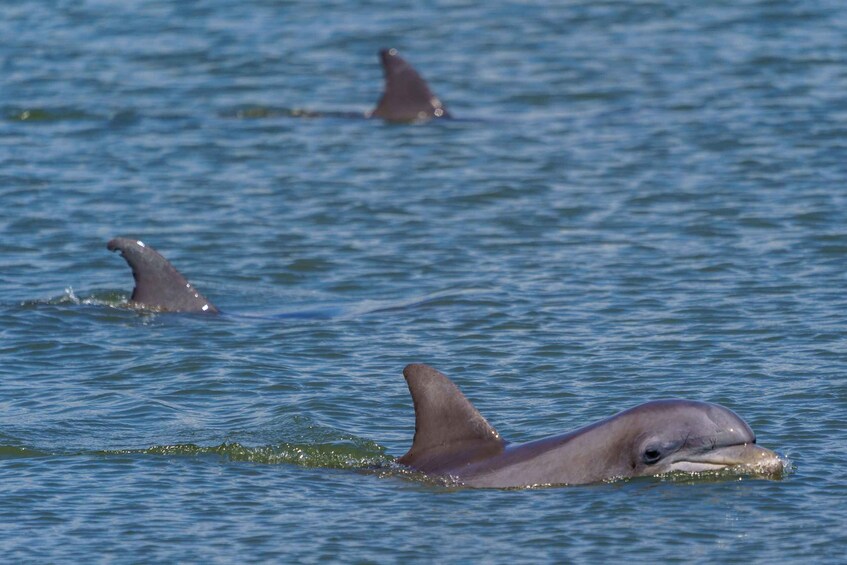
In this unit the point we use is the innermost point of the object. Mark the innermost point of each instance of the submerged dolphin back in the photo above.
(407, 96)
(158, 285)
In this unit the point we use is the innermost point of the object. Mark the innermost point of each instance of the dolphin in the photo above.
(158, 285)
(407, 97)
(453, 441)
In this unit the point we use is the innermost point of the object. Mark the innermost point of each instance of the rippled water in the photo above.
(642, 200)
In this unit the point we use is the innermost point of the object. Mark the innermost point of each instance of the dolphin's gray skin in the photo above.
(157, 284)
(454, 441)
(406, 98)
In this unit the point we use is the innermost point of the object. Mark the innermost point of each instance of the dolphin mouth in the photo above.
(745, 458)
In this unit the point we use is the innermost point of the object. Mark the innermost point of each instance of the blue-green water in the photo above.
(643, 200)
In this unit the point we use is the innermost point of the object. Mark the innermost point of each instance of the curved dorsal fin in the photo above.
(157, 284)
(449, 431)
(406, 97)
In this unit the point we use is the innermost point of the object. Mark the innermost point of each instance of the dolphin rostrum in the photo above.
(406, 97)
(453, 441)
(157, 284)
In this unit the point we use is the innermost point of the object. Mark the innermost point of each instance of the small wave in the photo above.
(53, 115)
(260, 112)
(358, 455)
(16, 452)
(354, 455)
(46, 115)
(375, 306)
(110, 298)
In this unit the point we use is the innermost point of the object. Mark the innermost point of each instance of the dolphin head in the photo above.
(690, 436)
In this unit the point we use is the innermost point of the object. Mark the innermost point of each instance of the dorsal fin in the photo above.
(157, 284)
(449, 431)
(406, 97)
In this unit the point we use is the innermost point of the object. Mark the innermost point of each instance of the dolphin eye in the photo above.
(651, 455)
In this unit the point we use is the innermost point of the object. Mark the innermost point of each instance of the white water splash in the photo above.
(69, 295)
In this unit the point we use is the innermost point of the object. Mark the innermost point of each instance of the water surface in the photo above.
(643, 200)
